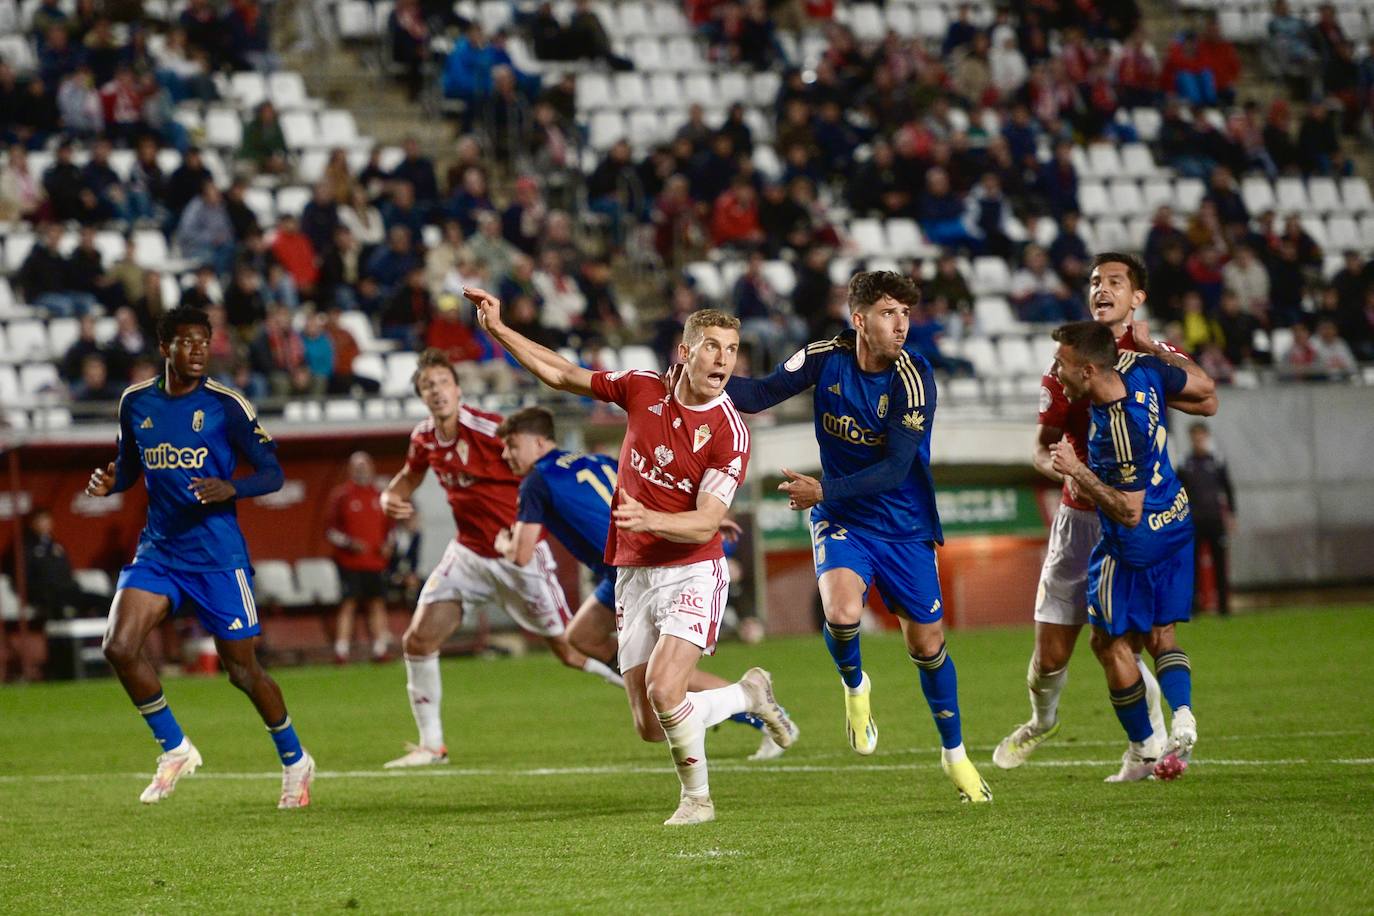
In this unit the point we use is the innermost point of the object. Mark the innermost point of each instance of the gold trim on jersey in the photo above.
(1120, 433)
(1104, 587)
(1126, 360)
(138, 386)
(911, 378)
(225, 389)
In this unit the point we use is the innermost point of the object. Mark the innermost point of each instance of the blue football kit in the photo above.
(878, 517)
(194, 554)
(1140, 577)
(570, 495)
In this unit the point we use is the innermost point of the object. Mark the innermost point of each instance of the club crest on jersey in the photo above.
(463, 451)
(198, 421)
(663, 455)
(701, 437)
(882, 406)
(914, 422)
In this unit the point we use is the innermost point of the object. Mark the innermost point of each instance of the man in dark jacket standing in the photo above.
(1208, 484)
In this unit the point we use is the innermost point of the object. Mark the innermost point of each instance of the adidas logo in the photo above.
(834, 389)
(146, 424)
(236, 625)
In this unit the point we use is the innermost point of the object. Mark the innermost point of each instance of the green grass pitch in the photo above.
(553, 805)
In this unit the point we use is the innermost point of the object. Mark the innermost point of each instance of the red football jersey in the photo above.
(1072, 416)
(356, 510)
(671, 453)
(481, 488)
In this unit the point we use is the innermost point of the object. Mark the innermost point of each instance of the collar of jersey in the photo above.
(161, 387)
(700, 408)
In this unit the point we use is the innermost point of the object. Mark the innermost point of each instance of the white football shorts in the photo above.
(530, 594)
(1063, 593)
(682, 601)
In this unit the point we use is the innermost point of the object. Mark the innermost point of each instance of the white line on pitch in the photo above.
(634, 770)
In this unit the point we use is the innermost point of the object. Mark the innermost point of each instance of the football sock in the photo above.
(158, 715)
(940, 684)
(603, 671)
(686, 733)
(842, 639)
(341, 647)
(719, 704)
(1175, 675)
(1044, 694)
(1133, 711)
(380, 646)
(744, 718)
(288, 745)
(425, 690)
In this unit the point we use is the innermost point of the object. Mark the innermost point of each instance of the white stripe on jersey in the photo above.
(473, 421)
(719, 484)
(737, 424)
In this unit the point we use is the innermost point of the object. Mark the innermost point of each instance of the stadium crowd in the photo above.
(949, 134)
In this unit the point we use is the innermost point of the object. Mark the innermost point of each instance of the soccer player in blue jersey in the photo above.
(185, 433)
(1140, 577)
(570, 494)
(873, 515)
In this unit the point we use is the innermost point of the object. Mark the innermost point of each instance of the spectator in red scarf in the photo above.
(122, 103)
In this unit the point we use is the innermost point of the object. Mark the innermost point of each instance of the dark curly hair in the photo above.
(868, 286)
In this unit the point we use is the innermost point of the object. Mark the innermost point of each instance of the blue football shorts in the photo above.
(906, 572)
(222, 598)
(605, 591)
(1129, 599)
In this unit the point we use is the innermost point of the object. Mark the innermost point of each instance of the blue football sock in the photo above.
(842, 639)
(744, 718)
(1133, 711)
(940, 684)
(1175, 675)
(288, 745)
(158, 715)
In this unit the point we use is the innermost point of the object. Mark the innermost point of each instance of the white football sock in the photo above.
(953, 755)
(380, 645)
(720, 703)
(341, 647)
(686, 733)
(603, 671)
(1044, 694)
(425, 689)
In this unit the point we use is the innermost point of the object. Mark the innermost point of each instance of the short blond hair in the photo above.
(699, 321)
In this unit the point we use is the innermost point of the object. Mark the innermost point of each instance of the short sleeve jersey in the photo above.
(671, 454)
(1127, 451)
(1058, 411)
(570, 495)
(481, 488)
(174, 439)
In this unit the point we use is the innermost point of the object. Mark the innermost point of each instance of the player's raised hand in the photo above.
(397, 507)
(802, 492)
(102, 481)
(1065, 458)
(672, 376)
(630, 514)
(488, 306)
(211, 490)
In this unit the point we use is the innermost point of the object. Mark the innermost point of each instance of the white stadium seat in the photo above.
(1257, 193)
(27, 339)
(273, 583)
(1291, 195)
(399, 368)
(1355, 195)
(1324, 195)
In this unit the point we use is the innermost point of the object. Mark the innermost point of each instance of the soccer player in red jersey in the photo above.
(685, 453)
(461, 445)
(1116, 288)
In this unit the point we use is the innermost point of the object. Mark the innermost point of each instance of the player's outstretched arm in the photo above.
(1124, 507)
(695, 527)
(754, 395)
(546, 365)
(1042, 457)
(1199, 396)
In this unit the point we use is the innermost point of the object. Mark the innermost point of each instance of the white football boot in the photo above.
(1180, 751)
(182, 760)
(416, 756)
(295, 782)
(692, 809)
(758, 689)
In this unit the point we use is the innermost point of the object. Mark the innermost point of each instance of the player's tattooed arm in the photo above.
(546, 365)
(1124, 507)
(696, 526)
